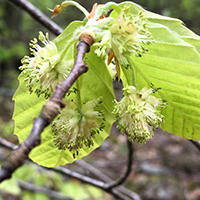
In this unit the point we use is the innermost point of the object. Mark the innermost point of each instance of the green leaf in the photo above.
(172, 64)
(94, 84)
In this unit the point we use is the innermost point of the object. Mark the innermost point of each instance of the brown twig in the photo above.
(128, 169)
(103, 177)
(51, 193)
(49, 111)
(91, 181)
(117, 192)
(38, 15)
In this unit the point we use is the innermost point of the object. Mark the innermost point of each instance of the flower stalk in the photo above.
(59, 8)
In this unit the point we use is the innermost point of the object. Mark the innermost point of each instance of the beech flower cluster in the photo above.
(137, 112)
(77, 126)
(127, 36)
(45, 69)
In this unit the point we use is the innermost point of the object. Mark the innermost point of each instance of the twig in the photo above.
(93, 170)
(128, 170)
(90, 181)
(7, 144)
(129, 194)
(7, 168)
(38, 15)
(98, 174)
(34, 188)
(49, 111)
(78, 176)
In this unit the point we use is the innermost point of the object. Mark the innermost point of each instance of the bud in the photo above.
(88, 36)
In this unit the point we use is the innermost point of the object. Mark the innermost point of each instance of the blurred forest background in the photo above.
(166, 168)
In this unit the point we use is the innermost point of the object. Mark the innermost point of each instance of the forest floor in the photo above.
(165, 168)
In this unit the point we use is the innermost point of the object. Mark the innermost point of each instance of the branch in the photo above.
(129, 195)
(98, 174)
(17, 157)
(128, 170)
(7, 144)
(49, 111)
(90, 181)
(34, 188)
(38, 16)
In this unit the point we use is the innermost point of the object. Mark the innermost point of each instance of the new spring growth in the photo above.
(127, 36)
(44, 70)
(137, 112)
(115, 39)
(76, 127)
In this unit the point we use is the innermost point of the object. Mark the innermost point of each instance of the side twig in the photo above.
(6, 144)
(49, 111)
(91, 181)
(38, 15)
(128, 170)
(99, 175)
(118, 192)
(51, 193)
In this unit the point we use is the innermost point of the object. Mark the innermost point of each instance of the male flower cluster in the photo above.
(77, 126)
(115, 39)
(45, 69)
(137, 112)
(127, 36)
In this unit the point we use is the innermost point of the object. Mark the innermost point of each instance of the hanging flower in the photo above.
(137, 112)
(127, 36)
(115, 39)
(45, 69)
(77, 126)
